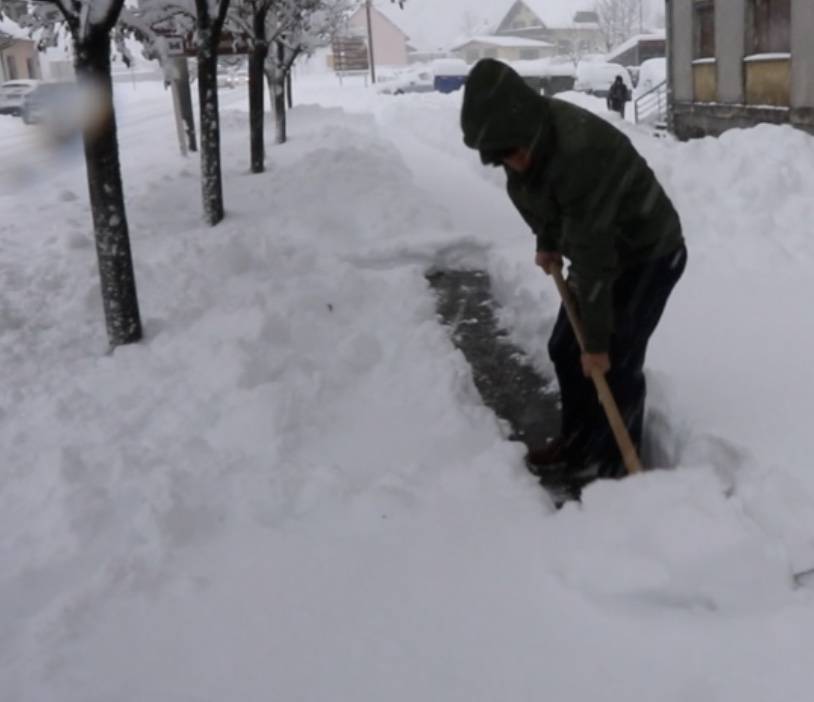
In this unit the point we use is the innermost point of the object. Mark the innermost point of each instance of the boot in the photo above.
(553, 455)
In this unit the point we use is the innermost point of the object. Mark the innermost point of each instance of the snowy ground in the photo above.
(290, 490)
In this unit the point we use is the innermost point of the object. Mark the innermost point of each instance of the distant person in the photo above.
(618, 96)
(590, 198)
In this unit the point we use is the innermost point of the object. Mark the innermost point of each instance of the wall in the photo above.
(802, 68)
(641, 52)
(475, 50)
(389, 42)
(747, 92)
(730, 30)
(682, 51)
(21, 51)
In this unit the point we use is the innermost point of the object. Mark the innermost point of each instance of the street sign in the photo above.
(230, 44)
(350, 54)
(175, 47)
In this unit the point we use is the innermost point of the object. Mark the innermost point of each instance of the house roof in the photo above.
(506, 42)
(633, 41)
(554, 14)
(437, 24)
(383, 16)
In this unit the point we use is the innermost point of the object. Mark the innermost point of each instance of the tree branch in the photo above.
(223, 9)
(112, 15)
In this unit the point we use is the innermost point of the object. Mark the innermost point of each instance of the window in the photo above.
(768, 27)
(529, 54)
(11, 64)
(704, 29)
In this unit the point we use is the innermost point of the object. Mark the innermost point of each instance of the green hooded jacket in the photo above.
(588, 194)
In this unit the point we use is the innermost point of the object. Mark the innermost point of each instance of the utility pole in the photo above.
(370, 52)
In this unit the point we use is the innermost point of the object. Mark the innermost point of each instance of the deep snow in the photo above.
(291, 491)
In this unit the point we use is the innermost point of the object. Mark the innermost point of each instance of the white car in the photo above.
(652, 73)
(12, 95)
(596, 78)
(420, 80)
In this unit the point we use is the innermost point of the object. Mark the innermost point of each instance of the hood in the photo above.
(500, 111)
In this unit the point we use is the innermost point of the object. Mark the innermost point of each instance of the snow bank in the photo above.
(290, 489)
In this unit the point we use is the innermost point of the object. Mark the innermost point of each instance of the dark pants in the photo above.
(639, 298)
(618, 106)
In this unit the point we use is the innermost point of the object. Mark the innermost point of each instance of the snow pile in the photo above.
(290, 489)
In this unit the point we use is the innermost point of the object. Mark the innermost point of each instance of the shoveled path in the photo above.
(507, 383)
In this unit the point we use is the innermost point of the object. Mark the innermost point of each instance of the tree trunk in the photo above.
(280, 117)
(101, 146)
(289, 90)
(211, 182)
(278, 92)
(257, 59)
(187, 113)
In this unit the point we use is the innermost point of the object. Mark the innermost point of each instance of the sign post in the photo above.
(184, 121)
(350, 56)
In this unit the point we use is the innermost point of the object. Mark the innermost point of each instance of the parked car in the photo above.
(12, 95)
(652, 73)
(449, 74)
(595, 77)
(413, 80)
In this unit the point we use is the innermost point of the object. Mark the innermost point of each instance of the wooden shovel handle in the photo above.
(603, 391)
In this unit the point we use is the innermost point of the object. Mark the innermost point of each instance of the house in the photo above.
(636, 50)
(506, 48)
(390, 43)
(735, 63)
(544, 20)
(19, 58)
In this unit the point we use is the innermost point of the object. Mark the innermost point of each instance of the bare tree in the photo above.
(206, 18)
(91, 25)
(250, 18)
(211, 15)
(619, 20)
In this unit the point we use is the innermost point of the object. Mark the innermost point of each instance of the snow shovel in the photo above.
(620, 432)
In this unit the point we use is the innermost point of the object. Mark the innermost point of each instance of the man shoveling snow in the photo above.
(590, 198)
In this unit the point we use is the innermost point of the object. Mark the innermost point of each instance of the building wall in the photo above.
(747, 91)
(802, 49)
(475, 50)
(583, 40)
(641, 52)
(389, 42)
(730, 25)
(23, 54)
(682, 51)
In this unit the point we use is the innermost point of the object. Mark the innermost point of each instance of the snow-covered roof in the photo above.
(555, 15)
(11, 29)
(439, 24)
(389, 18)
(543, 68)
(506, 42)
(633, 41)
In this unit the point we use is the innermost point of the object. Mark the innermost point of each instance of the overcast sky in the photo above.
(439, 23)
